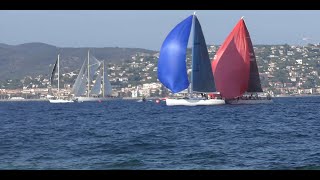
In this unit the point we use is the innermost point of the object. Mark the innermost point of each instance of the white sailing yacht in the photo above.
(172, 70)
(92, 70)
(57, 99)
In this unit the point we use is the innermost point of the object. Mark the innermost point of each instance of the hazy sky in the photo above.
(148, 29)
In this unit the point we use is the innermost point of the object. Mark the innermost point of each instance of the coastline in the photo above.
(300, 95)
(150, 98)
(21, 100)
(138, 98)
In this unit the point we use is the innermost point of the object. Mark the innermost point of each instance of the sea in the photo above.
(131, 135)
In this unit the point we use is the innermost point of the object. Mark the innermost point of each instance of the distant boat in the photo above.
(172, 69)
(143, 99)
(92, 69)
(235, 69)
(16, 98)
(57, 99)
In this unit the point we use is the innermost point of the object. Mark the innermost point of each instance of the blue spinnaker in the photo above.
(172, 70)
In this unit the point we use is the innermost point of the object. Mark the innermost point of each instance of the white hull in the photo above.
(91, 99)
(194, 102)
(249, 101)
(60, 101)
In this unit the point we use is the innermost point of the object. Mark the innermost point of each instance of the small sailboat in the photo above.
(101, 88)
(58, 99)
(172, 69)
(235, 69)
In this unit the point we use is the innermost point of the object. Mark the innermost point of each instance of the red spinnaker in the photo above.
(231, 65)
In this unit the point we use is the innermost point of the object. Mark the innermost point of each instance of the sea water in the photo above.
(124, 134)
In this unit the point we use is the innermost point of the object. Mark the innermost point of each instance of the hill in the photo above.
(18, 61)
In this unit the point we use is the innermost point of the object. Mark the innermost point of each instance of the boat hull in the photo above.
(91, 99)
(60, 101)
(249, 101)
(194, 102)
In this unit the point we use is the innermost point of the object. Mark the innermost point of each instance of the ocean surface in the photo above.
(126, 134)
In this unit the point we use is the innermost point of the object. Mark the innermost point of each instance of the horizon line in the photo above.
(276, 44)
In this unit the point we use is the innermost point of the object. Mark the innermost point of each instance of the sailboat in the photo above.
(235, 69)
(101, 88)
(172, 69)
(58, 99)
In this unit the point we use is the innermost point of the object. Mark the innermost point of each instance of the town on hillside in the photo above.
(285, 70)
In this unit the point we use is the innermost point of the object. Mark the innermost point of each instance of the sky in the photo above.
(148, 28)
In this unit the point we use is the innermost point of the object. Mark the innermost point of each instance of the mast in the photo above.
(88, 75)
(58, 76)
(193, 29)
(103, 79)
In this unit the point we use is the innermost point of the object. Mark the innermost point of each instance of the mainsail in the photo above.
(80, 84)
(202, 78)
(231, 65)
(172, 71)
(53, 72)
(254, 79)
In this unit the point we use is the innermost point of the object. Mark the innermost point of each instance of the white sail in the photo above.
(94, 65)
(91, 71)
(102, 83)
(96, 89)
(80, 81)
(79, 87)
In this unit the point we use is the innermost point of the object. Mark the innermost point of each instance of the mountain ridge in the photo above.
(35, 58)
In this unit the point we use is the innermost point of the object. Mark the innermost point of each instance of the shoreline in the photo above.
(21, 100)
(149, 98)
(304, 95)
(138, 98)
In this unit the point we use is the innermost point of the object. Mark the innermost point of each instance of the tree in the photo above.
(27, 80)
(308, 84)
(281, 75)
